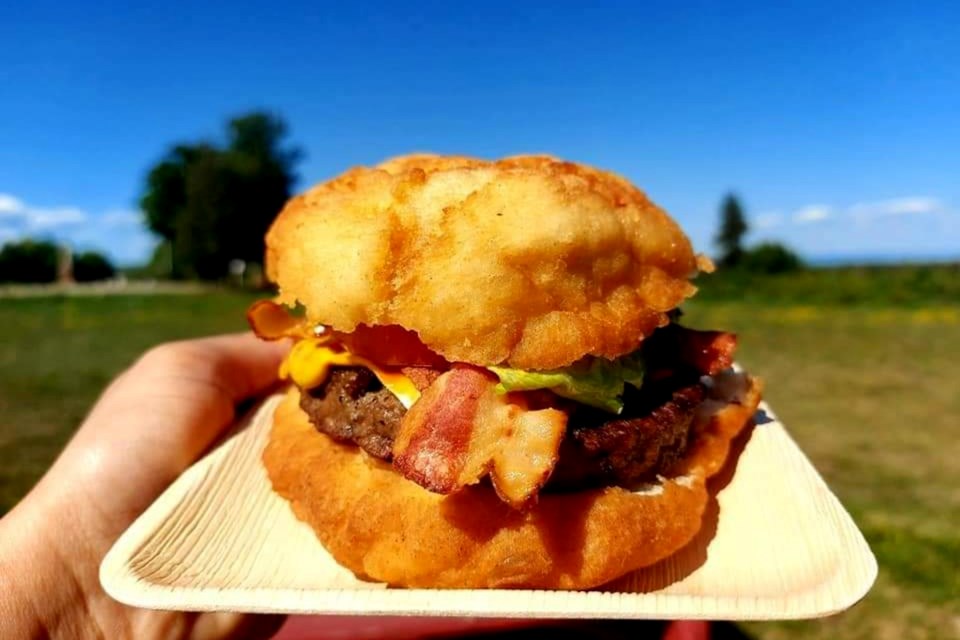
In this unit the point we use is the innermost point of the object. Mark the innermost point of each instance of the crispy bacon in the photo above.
(462, 430)
(271, 321)
(431, 446)
(390, 345)
(421, 377)
(528, 453)
(710, 352)
(675, 347)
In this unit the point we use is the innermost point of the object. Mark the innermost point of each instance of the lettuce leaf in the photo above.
(595, 381)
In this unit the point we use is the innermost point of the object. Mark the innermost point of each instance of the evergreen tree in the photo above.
(733, 226)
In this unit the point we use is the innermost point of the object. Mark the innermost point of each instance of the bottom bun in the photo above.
(386, 528)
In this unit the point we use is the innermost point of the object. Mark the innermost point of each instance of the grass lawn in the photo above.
(869, 393)
(57, 354)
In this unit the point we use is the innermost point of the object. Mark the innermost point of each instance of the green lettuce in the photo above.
(594, 381)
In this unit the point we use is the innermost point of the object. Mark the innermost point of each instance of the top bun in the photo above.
(527, 261)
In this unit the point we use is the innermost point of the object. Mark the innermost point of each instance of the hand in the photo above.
(149, 425)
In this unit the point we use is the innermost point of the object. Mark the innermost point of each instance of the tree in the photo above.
(771, 257)
(91, 266)
(213, 204)
(165, 195)
(160, 264)
(29, 261)
(733, 226)
(262, 174)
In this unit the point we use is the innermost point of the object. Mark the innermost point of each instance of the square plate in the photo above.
(220, 539)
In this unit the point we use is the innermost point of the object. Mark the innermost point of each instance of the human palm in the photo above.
(148, 426)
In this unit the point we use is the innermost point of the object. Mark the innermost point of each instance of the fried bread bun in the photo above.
(527, 261)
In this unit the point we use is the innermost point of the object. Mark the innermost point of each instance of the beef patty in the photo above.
(652, 434)
(353, 406)
(649, 436)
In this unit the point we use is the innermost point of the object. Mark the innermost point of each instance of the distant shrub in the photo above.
(770, 257)
(900, 285)
(92, 266)
(28, 261)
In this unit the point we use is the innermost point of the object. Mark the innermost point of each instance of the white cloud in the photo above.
(117, 232)
(911, 227)
(120, 218)
(812, 213)
(912, 205)
(10, 206)
(860, 212)
(769, 220)
(39, 219)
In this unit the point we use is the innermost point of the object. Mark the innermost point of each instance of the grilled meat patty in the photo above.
(353, 406)
(646, 439)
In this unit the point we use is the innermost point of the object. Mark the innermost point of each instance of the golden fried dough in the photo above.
(384, 527)
(528, 261)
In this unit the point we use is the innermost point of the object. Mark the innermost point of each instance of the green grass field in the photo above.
(869, 392)
(57, 354)
(919, 285)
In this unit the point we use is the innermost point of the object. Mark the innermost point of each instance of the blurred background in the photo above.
(813, 151)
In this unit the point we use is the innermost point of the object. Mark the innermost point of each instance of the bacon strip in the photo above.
(387, 345)
(675, 347)
(421, 377)
(710, 352)
(271, 321)
(390, 345)
(461, 430)
(431, 446)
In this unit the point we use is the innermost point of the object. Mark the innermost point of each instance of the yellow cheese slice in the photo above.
(309, 361)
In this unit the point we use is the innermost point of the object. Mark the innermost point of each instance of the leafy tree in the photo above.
(160, 264)
(263, 178)
(28, 261)
(165, 195)
(214, 204)
(92, 266)
(201, 244)
(771, 257)
(733, 226)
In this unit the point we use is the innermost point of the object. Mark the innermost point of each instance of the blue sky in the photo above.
(838, 124)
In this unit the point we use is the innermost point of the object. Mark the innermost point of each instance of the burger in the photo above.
(489, 383)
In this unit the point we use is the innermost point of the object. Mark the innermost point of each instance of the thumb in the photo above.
(185, 393)
(166, 410)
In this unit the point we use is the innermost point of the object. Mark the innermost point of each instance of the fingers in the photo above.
(239, 365)
(167, 409)
(207, 376)
(153, 421)
(245, 365)
(193, 386)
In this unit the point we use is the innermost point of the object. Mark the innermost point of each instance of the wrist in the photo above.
(41, 593)
(18, 618)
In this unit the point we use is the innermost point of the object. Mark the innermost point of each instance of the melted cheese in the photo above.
(309, 361)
